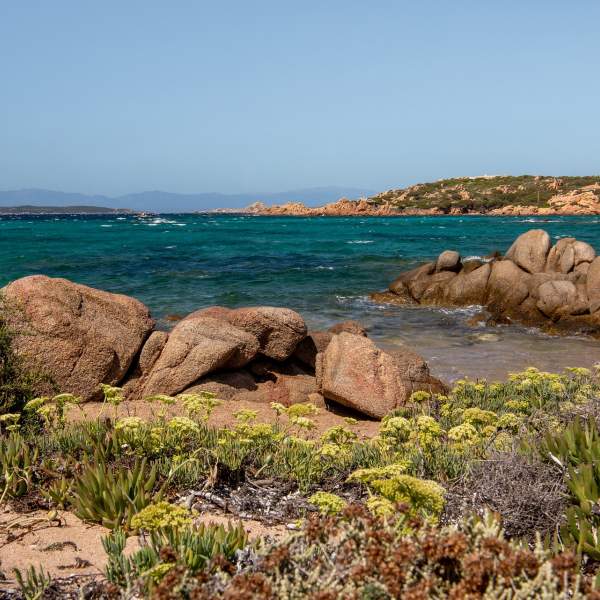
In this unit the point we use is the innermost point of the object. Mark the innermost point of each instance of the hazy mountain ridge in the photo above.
(159, 201)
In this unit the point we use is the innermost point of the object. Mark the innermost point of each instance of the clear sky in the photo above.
(120, 96)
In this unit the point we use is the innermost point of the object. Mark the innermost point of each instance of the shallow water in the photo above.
(322, 267)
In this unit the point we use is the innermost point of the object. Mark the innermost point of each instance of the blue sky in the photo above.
(120, 96)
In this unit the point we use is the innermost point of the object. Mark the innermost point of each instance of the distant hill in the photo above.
(60, 210)
(159, 201)
(495, 193)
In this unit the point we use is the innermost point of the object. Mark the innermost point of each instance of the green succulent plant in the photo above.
(33, 583)
(101, 495)
(17, 461)
(191, 547)
(577, 443)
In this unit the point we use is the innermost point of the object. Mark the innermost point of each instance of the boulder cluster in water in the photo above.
(556, 287)
(81, 337)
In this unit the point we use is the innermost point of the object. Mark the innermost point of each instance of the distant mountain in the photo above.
(158, 201)
(28, 209)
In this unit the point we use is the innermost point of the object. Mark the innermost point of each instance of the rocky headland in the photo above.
(556, 287)
(80, 337)
(487, 195)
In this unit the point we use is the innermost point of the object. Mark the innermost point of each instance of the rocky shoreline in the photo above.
(81, 337)
(486, 195)
(364, 208)
(555, 287)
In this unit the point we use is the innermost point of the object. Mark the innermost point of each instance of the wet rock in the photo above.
(392, 298)
(355, 373)
(407, 276)
(515, 287)
(435, 291)
(78, 335)
(432, 284)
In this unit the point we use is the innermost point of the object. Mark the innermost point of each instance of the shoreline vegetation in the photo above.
(241, 456)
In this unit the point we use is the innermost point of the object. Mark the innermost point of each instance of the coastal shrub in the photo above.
(327, 503)
(356, 554)
(161, 515)
(391, 486)
(52, 410)
(530, 495)
(112, 498)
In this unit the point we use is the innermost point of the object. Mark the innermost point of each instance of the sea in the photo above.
(323, 267)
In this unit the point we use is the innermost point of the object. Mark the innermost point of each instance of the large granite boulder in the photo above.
(530, 249)
(507, 285)
(469, 286)
(78, 335)
(278, 330)
(555, 287)
(567, 254)
(355, 373)
(196, 347)
(149, 354)
(556, 296)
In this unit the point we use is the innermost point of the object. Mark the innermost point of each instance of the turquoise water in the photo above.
(322, 267)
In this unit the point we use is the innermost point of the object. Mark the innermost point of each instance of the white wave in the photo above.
(105, 225)
(476, 257)
(361, 242)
